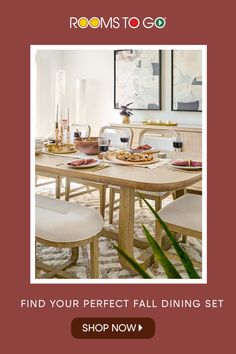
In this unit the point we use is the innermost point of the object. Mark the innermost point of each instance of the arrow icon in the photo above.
(140, 327)
(160, 22)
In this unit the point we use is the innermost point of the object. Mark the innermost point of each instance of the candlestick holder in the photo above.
(68, 134)
(61, 147)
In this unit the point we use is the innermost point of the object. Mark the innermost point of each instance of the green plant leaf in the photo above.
(170, 270)
(133, 263)
(186, 261)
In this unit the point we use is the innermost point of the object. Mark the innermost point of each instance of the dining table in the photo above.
(129, 179)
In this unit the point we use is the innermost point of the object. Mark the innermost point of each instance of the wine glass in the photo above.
(124, 139)
(103, 145)
(177, 145)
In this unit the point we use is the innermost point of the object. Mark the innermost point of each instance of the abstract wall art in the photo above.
(138, 79)
(186, 80)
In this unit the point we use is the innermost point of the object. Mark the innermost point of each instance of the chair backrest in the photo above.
(160, 139)
(115, 133)
(84, 129)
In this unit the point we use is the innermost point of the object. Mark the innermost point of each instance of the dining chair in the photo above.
(162, 141)
(84, 186)
(49, 179)
(84, 131)
(195, 188)
(66, 225)
(183, 216)
(46, 177)
(113, 134)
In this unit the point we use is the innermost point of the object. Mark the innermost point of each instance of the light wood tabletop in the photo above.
(128, 178)
(158, 179)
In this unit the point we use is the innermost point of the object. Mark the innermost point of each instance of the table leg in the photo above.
(126, 225)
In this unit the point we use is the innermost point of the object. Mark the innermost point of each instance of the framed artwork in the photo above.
(137, 79)
(186, 66)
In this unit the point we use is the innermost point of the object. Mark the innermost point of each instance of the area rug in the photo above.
(109, 266)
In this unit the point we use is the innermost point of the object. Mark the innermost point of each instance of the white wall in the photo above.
(47, 63)
(97, 68)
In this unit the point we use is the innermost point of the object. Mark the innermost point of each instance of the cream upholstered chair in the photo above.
(66, 225)
(161, 142)
(182, 216)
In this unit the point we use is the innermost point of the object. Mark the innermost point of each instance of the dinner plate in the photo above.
(96, 163)
(190, 168)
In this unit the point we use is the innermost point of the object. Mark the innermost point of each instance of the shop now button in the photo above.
(112, 328)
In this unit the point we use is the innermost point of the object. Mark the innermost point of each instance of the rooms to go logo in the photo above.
(117, 22)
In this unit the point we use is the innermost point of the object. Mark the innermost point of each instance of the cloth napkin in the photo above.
(190, 163)
(81, 162)
(159, 163)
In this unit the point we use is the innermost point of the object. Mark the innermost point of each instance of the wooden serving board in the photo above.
(111, 156)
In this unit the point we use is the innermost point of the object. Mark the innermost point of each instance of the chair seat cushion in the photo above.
(185, 212)
(60, 221)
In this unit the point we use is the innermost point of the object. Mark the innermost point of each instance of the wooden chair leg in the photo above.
(94, 269)
(111, 204)
(74, 254)
(37, 270)
(58, 187)
(166, 244)
(67, 189)
(102, 193)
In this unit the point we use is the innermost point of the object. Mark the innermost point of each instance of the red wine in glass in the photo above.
(177, 144)
(124, 140)
(103, 148)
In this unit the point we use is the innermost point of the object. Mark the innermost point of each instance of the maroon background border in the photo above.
(44, 331)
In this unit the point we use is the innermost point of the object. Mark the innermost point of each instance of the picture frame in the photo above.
(137, 79)
(186, 80)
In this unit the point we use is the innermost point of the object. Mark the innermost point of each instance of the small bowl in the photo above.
(161, 155)
(88, 146)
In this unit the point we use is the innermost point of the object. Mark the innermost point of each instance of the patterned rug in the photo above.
(109, 266)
